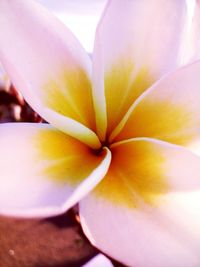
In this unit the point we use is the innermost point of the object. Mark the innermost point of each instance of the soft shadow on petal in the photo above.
(43, 171)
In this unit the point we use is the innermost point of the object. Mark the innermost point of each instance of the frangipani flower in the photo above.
(124, 129)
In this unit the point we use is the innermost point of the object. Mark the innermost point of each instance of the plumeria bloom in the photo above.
(123, 132)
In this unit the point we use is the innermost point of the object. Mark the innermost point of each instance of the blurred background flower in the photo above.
(80, 16)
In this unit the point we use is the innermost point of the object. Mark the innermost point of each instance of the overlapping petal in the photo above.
(168, 111)
(150, 208)
(49, 66)
(133, 48)
(149, 238)
(43, 171)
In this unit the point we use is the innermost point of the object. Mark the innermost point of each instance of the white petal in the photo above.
(98, 261)
(48, 65)
(43, 171)
(146, 238)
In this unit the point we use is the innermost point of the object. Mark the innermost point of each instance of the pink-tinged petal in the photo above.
(136, 43)
(190, 48)
(146, 238)
(48, 65)
(99, 261)
(150, 198)
(45, 172)
(168, 111)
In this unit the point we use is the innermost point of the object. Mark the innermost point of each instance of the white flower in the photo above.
(123, 131)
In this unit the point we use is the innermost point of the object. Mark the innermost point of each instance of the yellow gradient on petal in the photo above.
(123, 85)
(160, 118)
(136, 175)
(64, 158)
(69, 93)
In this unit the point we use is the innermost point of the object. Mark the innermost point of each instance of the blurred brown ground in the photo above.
(54, 242)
